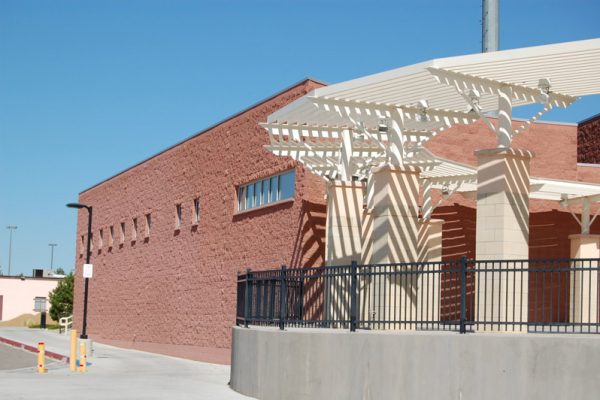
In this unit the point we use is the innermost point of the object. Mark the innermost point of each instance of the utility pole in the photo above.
(490, 26)
(52, 246)
(11, 228)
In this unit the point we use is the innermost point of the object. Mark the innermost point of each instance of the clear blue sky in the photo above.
(88, 88)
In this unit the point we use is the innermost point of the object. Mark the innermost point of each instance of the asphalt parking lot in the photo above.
(13, 358)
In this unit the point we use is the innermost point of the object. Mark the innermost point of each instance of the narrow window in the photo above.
(249, 197)
(196, 219)
(111, 236)
(273, 192)
(134, 229)
(82, 245)
(148, 224)
(286, 185)
(265, 191)
(101, 239)
(258, 194)
(241, 198)
(178, 216)
(122, 232)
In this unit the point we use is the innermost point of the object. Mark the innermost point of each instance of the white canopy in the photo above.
(343, 130)
(564, 71)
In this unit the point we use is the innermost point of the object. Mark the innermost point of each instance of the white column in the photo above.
(430, 250)
(344, 222)
(583, 307)
(342, 243)
(395, 207)
(393, 202)
(502, 234)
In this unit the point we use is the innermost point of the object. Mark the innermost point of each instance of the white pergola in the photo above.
(374, 128)
(418, 101)
(342, 131)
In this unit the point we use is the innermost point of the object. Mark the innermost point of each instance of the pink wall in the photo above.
(18, 294)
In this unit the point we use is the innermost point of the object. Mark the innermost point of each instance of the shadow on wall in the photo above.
(309, 244)
(549, 239)
(309, 251)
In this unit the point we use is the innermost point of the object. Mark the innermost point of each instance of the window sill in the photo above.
(277, 203)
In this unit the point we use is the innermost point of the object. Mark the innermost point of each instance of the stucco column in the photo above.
(342, 243)
(344, 222)
(392, 199)
(430, 250)
(502, 234)
(583, 294)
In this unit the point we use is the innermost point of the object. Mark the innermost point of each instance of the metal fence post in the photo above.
(282, 298)
(247, 298)
(353, 295)
(463, 294)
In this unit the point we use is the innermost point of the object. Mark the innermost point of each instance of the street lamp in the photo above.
(87, 261)
(11, 228)
(52, 246)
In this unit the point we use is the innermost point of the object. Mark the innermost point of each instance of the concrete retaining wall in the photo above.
(336, 364)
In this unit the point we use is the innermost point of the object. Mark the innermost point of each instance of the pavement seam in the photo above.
(49, 354)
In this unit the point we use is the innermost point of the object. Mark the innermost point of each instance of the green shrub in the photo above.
(61, 298)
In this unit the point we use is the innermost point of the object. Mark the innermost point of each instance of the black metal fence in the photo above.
(462, 295)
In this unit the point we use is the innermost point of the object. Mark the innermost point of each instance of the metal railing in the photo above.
(66, 323)
(461, 295)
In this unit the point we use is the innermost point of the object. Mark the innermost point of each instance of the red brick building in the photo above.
(169, 239)
(173, 285)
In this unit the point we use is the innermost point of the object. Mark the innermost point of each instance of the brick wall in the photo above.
(177, 287)
(588, 141)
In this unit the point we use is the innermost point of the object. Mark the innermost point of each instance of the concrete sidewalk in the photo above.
(114, 373)
(55, 342)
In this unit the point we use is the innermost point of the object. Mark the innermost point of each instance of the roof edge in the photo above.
(226, 119)
(588, 119)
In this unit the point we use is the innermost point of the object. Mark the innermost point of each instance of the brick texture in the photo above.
(177, 287)
(588, 141)
(174, 291)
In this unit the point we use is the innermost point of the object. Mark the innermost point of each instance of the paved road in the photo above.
(114, 374)
(12, 358)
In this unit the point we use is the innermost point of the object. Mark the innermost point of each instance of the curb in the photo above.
(33, 349)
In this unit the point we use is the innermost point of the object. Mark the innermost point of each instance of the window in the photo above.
(286, 185)
(111, 236)
(122, 240)
(134, 229)
(196, 219)
(148, 224)
(178, 216)
(266, 191)
(81, 245)
(101, 239)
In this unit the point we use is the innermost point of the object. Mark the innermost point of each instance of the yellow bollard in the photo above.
(42, 358)
(73, 354)
(82, 357)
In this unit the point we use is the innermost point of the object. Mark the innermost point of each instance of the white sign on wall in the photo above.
(88, 270)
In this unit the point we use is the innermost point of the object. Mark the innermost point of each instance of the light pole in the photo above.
(11, 228)
(52, 246)
(87, 261)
